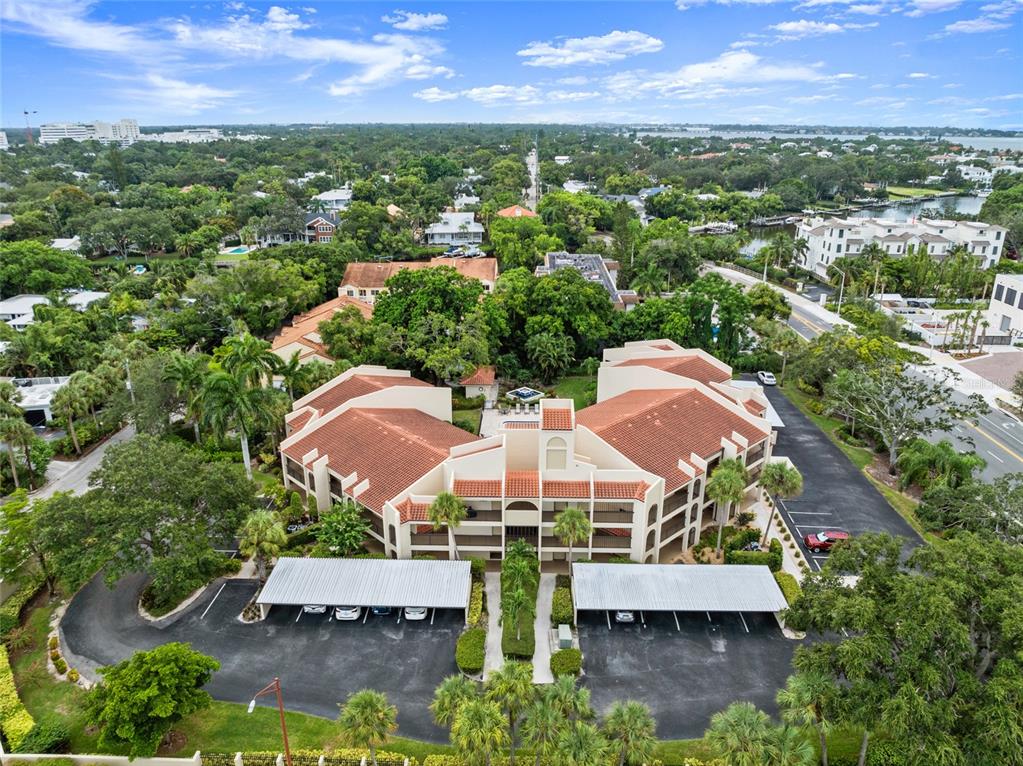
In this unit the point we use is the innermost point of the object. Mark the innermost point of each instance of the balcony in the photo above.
(474, 515)
(673, 527)
(464, 541)
(612, 541)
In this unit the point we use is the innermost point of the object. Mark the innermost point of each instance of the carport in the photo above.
(675, 588)
(367, 583)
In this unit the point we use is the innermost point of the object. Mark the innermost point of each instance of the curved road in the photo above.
(319, 661)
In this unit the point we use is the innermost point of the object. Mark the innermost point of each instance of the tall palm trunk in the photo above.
(824, 745)
(244, 437)
(74, 436)
(195, 429)
(863, 749)
(14, 466)
(721, 525)
(28, 465)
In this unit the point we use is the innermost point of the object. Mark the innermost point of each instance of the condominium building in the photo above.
(636, 462)
(455, 229)
(4, 146)
(829, 239)
(124, 132)
(186, 136)
(302, 336)
(367, 281)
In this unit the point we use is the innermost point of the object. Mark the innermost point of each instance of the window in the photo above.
(351, 293)
(841, 233)
(1020, 304)
(998, 235)
(1010, 296)
(557, 454)
(362, 293)
(999, 289)
(994, 250)
(838, 248)
(1006, 324)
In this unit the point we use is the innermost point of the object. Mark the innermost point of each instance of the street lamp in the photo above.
(275, 686)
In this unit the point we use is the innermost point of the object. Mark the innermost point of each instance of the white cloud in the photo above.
(173, 96)
(614, 46)
(435, 95)
(426, 71)
(570, 95)
(575, 80)
(919, 76)
(866, 9)
(993, 18)
(65, 24)
(281, 20)
(923, 7)
(503, 95)
(797, 30)
(415, 22)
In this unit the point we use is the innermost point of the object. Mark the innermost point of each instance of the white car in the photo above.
(347, 612)
(767, 378)
(314, 609)
(624, 617)
(413, 613)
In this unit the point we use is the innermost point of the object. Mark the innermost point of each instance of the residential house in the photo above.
(333, 199)
(366, 281)
(636, 462)
(320, 227)
(68, 244)
(463, 201)
(482, 382)
(594, 268)
(1005, 311)
(562, 159)
(455, 229)
(18, 311)
(515, 211)
(302, 336)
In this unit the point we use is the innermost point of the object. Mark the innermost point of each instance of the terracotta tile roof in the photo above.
(358, 385)
(375, 275)
(620, 490)
(557, 419)
(516, 211)
(694, 367)
(478, 487)
(409, 511)
(304, 328)
(552, 488)
(522, 425)
(663, 347)
(296, 423)
(485, 375)
(657, 428)
(754, 407)
(522, 484)
(392, 448)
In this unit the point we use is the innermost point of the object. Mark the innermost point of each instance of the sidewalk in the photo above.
(494, 657)
(968, 382)
(798, 301)
(542, 630)
(789, 563)
(73, 476)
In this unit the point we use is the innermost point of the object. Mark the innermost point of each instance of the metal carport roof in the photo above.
(368, 582)
(676, 587)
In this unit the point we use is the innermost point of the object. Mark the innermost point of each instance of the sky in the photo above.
(834, 62)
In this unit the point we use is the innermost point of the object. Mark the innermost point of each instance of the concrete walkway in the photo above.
(494, 657)
(541, 630)
(73, 476)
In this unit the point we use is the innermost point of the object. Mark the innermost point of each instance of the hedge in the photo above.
(15, 721)
(478, 567)
(566, 662)
(51, 736)
(789, 586)
(561, 608)
(342, 754)
(302, 536)
(497, 760)
(476, 604)
(772, 557)
(471, 650)
(10, 612)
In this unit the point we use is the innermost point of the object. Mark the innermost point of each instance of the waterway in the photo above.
(989, 143)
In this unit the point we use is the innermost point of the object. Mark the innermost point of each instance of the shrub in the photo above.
(476, 604)
(50, 736)
(772, 557)
(741, 539)
(471, 650)
(54, 655)
(886, 753)
(562, 581)
(744, 518)
(787, 536)
(302, 536)
(15, 721)
(620, 560)
(53, 642)
(60, 665)
(10, 611)
(72, 676)
(169, 589)
(566, 662)
(561, 609)
(342, 755)
(478, 567)
(789, 586)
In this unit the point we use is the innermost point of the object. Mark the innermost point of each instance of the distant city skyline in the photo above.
(881, 63)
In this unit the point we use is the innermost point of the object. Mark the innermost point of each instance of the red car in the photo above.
(822, 541)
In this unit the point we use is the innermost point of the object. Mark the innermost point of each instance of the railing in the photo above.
(621, 518)
(612, 541)
(673, 526)
(483, 515)
(461, 540)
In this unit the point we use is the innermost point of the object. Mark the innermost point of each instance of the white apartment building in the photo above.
(4, 146)
(1005, 312)
(124, 132)
(455, 229)
(187, 136)
(829, 239)
(636, 462)
(335, 199)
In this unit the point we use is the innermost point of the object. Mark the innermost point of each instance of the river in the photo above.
(988, 143)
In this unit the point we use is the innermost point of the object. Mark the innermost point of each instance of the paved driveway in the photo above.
(320, 661)
(685, 676)
(835, 493)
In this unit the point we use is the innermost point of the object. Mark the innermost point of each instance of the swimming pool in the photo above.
(238, 250)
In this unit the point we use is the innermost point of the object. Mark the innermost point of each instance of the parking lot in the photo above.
(319, 660)
(686, 675)
(836, 494)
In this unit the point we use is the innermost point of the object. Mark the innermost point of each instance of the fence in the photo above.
(205, 759)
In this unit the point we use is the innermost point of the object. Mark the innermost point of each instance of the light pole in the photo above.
(275, 686)
(841, 289)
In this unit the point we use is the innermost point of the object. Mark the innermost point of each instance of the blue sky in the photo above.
(839, 62)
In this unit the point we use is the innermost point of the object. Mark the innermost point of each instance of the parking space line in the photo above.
(433, 613)
(365, 617)
(214, 600)
(744, 622)
(992, 454)
(299, 614)
(810, 513)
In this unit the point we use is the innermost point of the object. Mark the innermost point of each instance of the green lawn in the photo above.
(581, 388)
(470, 417)
(912, 191)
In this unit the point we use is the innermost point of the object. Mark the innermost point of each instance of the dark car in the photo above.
(380, 611)
(822, 541)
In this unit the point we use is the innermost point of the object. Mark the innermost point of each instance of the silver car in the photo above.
(314, 609)
(347, 612)
(625, 616)
(414, 613)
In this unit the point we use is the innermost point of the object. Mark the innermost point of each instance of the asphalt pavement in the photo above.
(73, 475)
(836, 494)
(319, 660)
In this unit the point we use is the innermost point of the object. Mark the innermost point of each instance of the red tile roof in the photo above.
(478, 487)
(522, 425)
(620, 490)
(485, 375)
(296, 423)
(359, 385)
(409, 511)
(552, 488)
(522, 484)
(307, 324)
(694, 367)
(392, 448)
(516, 211)
(657, 428)
(557, 419)
(375, 275)
(755, 407)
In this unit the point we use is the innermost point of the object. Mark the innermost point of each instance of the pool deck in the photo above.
(493, 419)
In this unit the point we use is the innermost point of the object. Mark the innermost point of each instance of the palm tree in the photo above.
(69, 402)
(294, 374)
(740, 735)
(453, 692)
(630, 727)
(649, 280)
(923, 463)
(785, 342)
(582, 744)
(249, 358)
(512, 688)
(15, 431)
(542, 725)
(262, 537)
(479, 730)
(803, 702)
(571, 702)
(571, 526)
(91, 389)
(725, 487)
(227, 403)
(788, 747)
(367, 720)
(781, 480)
(447, 509)
(514, 605)
(186, 373)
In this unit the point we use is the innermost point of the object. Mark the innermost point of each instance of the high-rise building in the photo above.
(124, 132)
(4, 146)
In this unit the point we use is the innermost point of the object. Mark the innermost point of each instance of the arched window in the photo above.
(557, 454)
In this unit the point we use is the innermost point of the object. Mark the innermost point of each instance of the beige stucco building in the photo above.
(636, 461)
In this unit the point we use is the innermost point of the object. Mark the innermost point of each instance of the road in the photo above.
(533, 192)
(73, 475)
